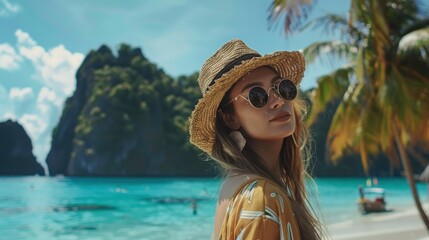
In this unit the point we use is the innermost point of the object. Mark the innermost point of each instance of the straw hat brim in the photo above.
(289, 65)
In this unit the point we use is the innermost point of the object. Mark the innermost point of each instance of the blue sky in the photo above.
(42, 43)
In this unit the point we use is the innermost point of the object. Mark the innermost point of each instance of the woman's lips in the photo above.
(283, 116)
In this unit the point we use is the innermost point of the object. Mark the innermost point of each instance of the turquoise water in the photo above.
(147, 208)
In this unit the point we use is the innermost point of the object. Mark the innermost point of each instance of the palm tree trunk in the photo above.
(410, 176)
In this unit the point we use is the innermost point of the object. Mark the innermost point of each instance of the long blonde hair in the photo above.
(293, 163)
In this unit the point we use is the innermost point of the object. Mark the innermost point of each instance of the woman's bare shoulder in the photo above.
(232, 184)
(228, 190)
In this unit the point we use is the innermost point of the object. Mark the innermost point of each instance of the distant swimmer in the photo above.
(194, 206)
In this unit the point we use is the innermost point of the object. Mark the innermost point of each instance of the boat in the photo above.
(423, 177)
(372, 200)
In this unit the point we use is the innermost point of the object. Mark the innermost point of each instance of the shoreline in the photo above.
(396, 225)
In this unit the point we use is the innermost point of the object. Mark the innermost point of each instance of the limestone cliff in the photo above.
(126, 118)
(16, 151)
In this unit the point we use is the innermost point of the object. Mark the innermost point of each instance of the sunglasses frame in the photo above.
(276, 92)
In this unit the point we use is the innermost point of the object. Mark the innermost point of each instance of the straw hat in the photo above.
(219, 73)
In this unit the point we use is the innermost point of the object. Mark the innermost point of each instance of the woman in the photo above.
(250, 121)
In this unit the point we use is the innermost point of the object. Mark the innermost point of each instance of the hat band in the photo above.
(231, 65)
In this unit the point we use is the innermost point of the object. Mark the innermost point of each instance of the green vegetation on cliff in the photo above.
(131, 118)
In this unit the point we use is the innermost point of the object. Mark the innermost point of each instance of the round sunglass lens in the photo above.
(258, 97)
(287, 90)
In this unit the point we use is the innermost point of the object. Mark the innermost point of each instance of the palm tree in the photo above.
(294, 11)
(384, 89)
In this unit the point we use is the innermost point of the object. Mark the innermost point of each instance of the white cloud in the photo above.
(47, 99)
(25, 41)
(20, 101)
(33, 125)
(20, 94)
(46, 94)
(56, 67)
(24, 38)
(9, 59)
(8, 8)
(9, 115)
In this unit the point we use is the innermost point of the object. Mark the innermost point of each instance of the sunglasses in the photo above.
(258, 97)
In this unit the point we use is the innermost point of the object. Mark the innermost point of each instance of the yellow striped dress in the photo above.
(259, 209)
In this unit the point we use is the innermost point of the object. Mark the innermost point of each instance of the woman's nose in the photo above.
(274, 99)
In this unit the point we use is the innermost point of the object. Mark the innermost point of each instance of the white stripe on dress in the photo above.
(250, 214)
(289, 232)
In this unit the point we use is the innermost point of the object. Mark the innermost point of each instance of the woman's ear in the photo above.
(229, 120)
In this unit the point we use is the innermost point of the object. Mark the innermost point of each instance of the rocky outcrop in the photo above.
(16, 156)
(126, 118)
(63, 134)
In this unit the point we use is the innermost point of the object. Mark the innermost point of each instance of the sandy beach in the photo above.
(399, 224)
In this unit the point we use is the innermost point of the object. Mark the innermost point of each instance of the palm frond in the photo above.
(399, 14)
(332, 23)
(380, 24)
(334, 49)
(405, 99)
(346, 120)
(415, 43)
(329, 87)
(294, 12)
(386, 125)
(370, 126)
(339, 141)
(358, 14)
(362, 70)
(417, 72)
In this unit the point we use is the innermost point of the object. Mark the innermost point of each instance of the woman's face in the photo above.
(274, 121)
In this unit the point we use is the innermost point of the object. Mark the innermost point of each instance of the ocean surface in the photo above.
(150, 208)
